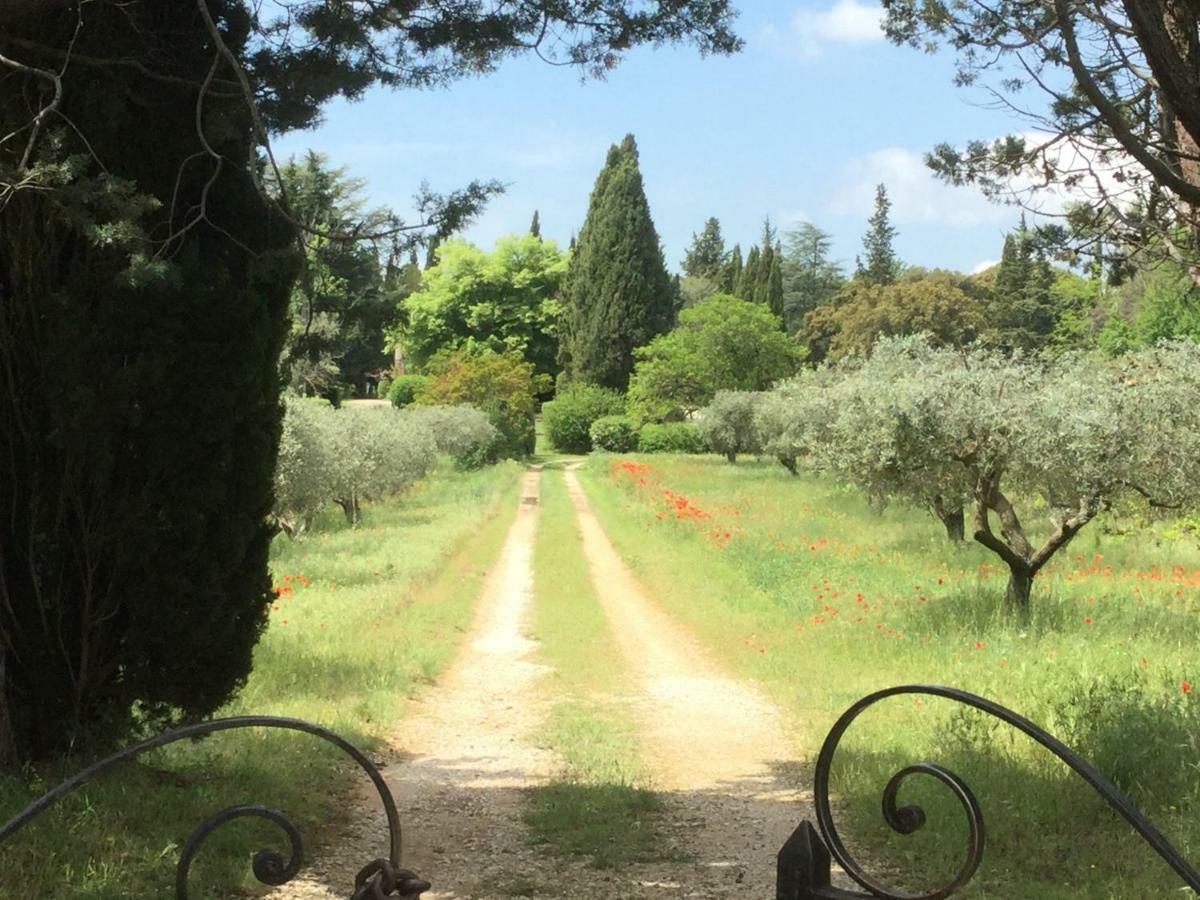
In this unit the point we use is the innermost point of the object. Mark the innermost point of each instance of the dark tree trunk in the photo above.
(731, 456)
(1020, 587)
(789, 463)
(8, 743)
(953, 518)
(351, 508)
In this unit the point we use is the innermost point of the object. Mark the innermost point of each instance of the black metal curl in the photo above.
(908, 819)
(269, 866)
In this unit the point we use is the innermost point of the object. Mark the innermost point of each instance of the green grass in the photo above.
(797, 583)
(365, 617)
(599, 807)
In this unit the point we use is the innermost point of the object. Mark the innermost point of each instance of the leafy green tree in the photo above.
(618, 294)
(1024, 309)
(774, 287)
(722, 343)
(145, 397)
(506, 300)
(727, 426)
(706, 257)
(879, 265)
(862, 313)
(810, 277)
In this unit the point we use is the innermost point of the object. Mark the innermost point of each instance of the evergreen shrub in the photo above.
(403, 389)
(671, 437)
(568, 417)
(614, 434)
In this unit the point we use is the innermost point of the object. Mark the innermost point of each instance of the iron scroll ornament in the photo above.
(804, 862)
(380, 879)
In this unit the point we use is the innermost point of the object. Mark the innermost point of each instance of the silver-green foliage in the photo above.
(461, 432)
(304, 471)
(1070, 435)
(727, 424)
(354, 454)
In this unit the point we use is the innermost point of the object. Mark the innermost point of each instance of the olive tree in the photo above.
(304, 471)
(462, 432)
(1072, 435)
(727, 424)
(378, 453)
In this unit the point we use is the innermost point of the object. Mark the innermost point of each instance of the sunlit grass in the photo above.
(799, 584)
(364, 617)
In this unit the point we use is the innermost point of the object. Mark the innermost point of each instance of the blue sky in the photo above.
(801, 125)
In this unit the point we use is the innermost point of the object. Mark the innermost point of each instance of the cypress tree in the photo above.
(731, 276)
(748, 280)
(762, 275)
(139, 408)
(535, 227)
(775, 283)
(882, 265)
(618, 294)
(706, 256)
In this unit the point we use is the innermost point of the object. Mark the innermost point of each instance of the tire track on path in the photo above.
(464, 754)
(716, 747)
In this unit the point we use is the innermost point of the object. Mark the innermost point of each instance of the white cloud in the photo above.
(984, 266)
(916, 194)
(810, 31)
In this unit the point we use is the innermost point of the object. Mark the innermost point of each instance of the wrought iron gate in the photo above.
(804, 864)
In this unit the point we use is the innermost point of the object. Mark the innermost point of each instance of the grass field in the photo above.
(363, 618)
(600, 806)
(798, 584)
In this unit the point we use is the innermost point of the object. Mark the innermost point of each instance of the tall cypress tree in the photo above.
(731, 276)
(775, 283)
(535, 227)
(882, 265)
(749, 277)
(618, 294)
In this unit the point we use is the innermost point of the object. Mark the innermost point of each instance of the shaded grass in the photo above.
(364, 617)
(797, 583)
(599, 806)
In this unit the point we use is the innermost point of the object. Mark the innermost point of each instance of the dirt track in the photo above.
(464, 753)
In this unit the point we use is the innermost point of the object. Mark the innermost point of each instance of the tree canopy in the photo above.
(879, 263)
(505, 300)
(1119, 113)
(722, 343)
(934, 305)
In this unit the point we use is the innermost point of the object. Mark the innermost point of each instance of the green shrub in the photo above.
(569, 416)
(727, 424)
(673, 437)
(403, 389)
(502, 385)
(616, 434)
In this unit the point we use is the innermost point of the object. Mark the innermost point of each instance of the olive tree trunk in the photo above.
(953, 517)
(1012, 545)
